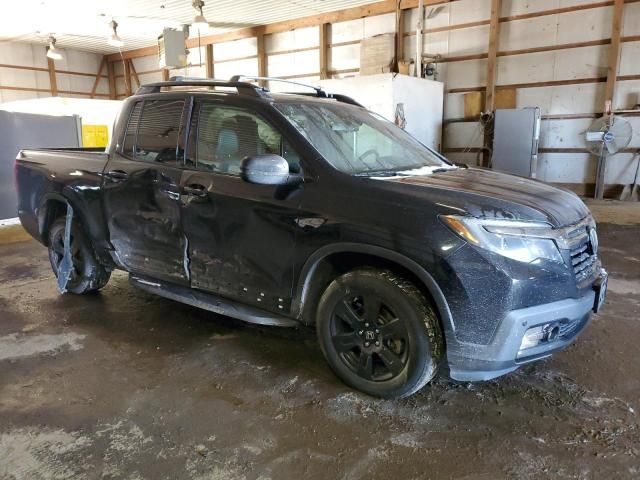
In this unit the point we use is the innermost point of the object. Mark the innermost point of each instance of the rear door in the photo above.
(241, 235)
(142, 191)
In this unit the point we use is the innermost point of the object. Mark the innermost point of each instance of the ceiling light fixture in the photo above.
(114, 39)
(52, 52)
(199, 22)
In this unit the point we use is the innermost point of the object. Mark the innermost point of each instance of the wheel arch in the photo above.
(318, 272)
(53, 206)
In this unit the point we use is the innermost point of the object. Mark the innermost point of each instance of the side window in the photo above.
(226, 135)
(128, 146)
(160, 137)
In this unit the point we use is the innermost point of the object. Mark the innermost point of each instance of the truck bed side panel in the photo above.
(72, 175)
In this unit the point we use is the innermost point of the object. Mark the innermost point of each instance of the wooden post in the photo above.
(52, 77)
(324, 50)
(112, 81)
(489, 98)
(614, 52)
(208, 60)
(610, 89)
(133, 71)
(98, 76)
(494, 32)
(262, 60)
(399, 37)
(165, 74)
(127, 79)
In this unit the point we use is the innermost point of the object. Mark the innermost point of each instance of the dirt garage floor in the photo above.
(124, 385)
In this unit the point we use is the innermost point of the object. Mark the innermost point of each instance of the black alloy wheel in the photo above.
(369, 338)
(379, 333)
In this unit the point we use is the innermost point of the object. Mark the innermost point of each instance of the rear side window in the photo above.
(159, 135)
(129, 144)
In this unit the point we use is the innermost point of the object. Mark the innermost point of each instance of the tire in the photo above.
(88, 274)
(379, 333)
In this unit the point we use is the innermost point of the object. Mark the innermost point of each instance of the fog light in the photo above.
(532, 337)
(542, 333)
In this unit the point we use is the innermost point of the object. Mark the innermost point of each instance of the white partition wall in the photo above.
(420, 100)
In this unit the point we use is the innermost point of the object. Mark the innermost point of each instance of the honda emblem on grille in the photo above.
(593, 238)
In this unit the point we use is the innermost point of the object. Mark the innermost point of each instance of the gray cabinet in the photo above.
(515, 141)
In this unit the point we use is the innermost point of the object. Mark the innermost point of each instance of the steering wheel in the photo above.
(371, 151)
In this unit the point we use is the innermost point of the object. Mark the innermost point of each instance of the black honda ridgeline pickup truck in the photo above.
(288, 209)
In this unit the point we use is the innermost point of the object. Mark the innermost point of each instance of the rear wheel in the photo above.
(88, 275)
(379, 333)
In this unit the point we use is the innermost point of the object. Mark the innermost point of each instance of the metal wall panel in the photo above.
(25, 130)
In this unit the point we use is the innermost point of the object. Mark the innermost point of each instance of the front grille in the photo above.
(582, 260)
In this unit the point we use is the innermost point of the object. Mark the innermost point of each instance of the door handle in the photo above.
(195, 190)
(117, 175)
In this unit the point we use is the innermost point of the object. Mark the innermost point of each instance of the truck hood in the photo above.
(489, 194)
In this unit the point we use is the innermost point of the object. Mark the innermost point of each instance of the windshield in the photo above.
(357, 141)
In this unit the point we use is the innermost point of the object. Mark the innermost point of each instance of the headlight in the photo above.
(522, 241)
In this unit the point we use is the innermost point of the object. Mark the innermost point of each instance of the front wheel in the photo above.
(379, 333)
(88, 275)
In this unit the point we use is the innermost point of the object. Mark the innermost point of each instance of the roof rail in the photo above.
(319, 92)
(243, 88)
(335, 96)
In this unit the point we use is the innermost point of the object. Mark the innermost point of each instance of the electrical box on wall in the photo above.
(172, 48)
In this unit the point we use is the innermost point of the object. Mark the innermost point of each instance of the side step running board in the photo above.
(211, 302)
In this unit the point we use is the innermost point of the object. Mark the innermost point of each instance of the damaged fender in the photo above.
(65, 270)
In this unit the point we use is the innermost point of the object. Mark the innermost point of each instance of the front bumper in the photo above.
(472, 362)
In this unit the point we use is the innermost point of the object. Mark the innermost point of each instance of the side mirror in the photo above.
(265, 169)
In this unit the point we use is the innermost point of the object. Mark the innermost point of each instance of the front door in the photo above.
(240, 235)
(142, 192)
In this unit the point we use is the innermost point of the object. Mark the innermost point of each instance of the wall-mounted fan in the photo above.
(607, 136)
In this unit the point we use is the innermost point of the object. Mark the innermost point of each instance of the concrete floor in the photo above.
(124, 385)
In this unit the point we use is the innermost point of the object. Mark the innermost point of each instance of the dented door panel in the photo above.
(241, 240)
(143, 215)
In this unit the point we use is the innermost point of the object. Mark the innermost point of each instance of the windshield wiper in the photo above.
(381, 173)
(402, 172)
